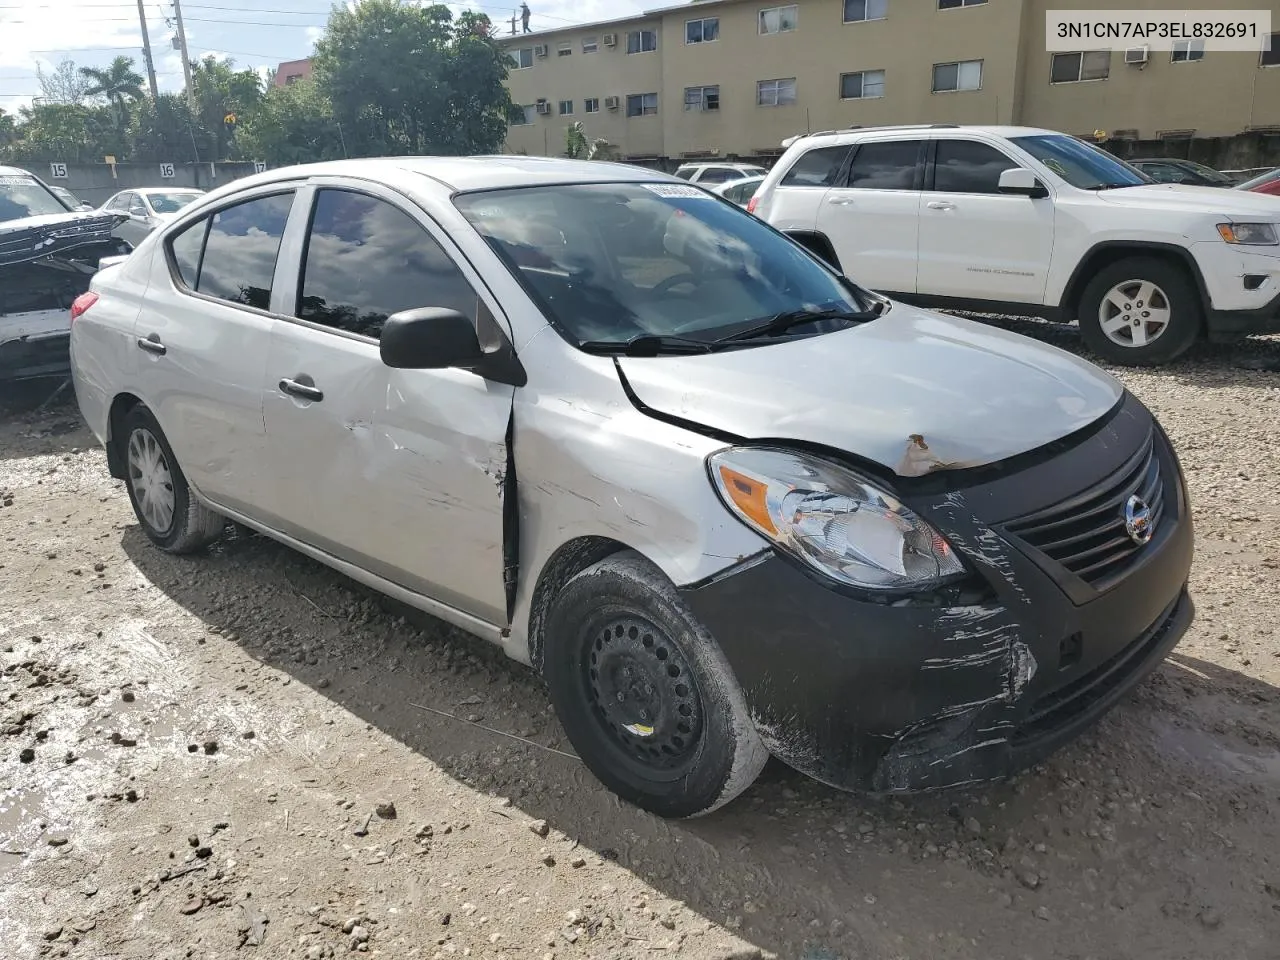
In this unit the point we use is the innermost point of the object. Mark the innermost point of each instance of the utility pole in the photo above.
(146, 51)
(186, 60)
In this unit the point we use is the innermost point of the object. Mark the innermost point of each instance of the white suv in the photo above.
(718, 172)
(1029, 221)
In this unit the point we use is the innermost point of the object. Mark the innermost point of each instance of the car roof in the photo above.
(462, 174)
(147, 190)
(15, 172)
(854, 133)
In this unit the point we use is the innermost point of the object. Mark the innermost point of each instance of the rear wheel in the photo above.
(1140, 311)
(171, 517)
(644, 694)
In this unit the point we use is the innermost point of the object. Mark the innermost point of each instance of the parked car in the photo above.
(740, 191)
(1029, 221)
(47, 255)
(1268, 182)
(1182, 171)
(147, 208)
(956, 548)
(718, 172)
(70, 199)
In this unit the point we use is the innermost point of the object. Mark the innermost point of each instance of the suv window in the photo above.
(240, 252)
(718, 175)
(887, 165)
(367, 259)
(817, 168)
(965, 166)
(684, 173)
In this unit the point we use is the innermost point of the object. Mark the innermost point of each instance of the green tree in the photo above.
(578, 146)
(8, 129)
(119, 84)
(221, 90)
(404, 79)
(164, 130)
(66, 84)
(293, 124)
(63, 132)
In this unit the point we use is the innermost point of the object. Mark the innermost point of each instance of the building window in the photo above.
(590, 44)
(702, 98)
(642, 104)
(1271, 57)
(702, 31)
(863, 85)
(526, 115)
(776, 93)
(1074, 67)
(1187, 51)
(522, 59)
(778, 20)
(951, 77)
(642, 41)
(564, 50)
(956, 4)
(856, 11)
(566, 108)
(292, 78)
(591, 105)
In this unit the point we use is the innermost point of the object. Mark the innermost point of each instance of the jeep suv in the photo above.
(1029, 221)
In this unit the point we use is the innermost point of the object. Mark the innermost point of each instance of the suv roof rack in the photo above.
(859, 129)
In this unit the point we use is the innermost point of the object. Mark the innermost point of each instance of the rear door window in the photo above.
(186, 248)
(886, 165)
(240, 252)
(817, 168)
(367, 259)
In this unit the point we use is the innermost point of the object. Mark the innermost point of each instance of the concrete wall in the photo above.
(94, 183)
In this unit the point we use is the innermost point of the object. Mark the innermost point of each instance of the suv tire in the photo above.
(170, 515)
(644, 694)
(1140, 311)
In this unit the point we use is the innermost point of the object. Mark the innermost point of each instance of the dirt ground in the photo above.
(244, 754)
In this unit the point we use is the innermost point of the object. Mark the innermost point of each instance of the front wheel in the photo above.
(1140, 311)
(644, 694)
(170, 515)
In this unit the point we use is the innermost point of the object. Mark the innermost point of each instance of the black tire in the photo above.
(190, 525)
(1175, 290)
(681, 743)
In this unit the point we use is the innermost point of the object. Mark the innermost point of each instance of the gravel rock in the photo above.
(386, 810)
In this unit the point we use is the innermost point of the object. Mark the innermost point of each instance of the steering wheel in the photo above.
(675, 280)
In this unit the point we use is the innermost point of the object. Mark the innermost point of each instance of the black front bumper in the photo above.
(27, 357)
(1227, 326)
(923, 693)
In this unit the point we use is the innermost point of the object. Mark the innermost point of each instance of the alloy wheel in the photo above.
(151, 480)
(1134, 313)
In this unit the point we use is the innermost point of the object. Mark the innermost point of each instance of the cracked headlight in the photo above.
(834, 520)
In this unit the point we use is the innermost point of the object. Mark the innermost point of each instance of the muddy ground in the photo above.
(199, 758)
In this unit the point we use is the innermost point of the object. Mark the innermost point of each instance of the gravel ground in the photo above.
(246, 752)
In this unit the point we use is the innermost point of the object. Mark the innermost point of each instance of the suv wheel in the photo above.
(645, 695)
(171, 517)
(1140, 311)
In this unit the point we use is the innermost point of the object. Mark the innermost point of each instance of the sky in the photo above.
(254, 33)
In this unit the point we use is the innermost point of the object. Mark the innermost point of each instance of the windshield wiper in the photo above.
(784, 321)
(647, 345)
(1117, 186)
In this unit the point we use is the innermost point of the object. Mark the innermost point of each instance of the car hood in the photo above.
(32, 238)
(913, 391)
(1175, 196)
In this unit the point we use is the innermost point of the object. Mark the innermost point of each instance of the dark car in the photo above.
(48, 253)
(1182, 171)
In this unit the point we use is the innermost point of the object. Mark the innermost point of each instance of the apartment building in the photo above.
(735, 77)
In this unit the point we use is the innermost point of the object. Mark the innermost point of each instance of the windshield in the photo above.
(170, 202)
(613, 262)
(1206, 173)
(1260, 179)
(25, 197)
(1081, 164)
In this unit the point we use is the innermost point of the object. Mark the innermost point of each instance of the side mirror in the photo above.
(1022, 182)
(429, 338)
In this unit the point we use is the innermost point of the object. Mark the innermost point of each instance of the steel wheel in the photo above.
(151, 480)
(644, 694)
(1134, 313)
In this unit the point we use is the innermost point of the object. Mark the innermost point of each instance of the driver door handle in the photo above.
(303, 391)
(840, 201)
(941, 205)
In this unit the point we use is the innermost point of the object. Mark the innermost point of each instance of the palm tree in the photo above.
(119, 83)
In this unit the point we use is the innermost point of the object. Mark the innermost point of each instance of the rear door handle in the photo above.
(152, 344)
(303, 391)
(941, 205)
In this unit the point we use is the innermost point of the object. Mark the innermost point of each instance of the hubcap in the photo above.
(643, 692)
(1134, 313)
(151, 480)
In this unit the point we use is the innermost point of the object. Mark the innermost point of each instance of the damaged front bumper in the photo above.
(918, 694)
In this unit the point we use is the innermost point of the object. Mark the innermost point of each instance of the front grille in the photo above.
(1057, 707)
(1087, 534)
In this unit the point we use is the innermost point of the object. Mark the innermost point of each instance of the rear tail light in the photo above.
(751, 204)
(82, 303)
